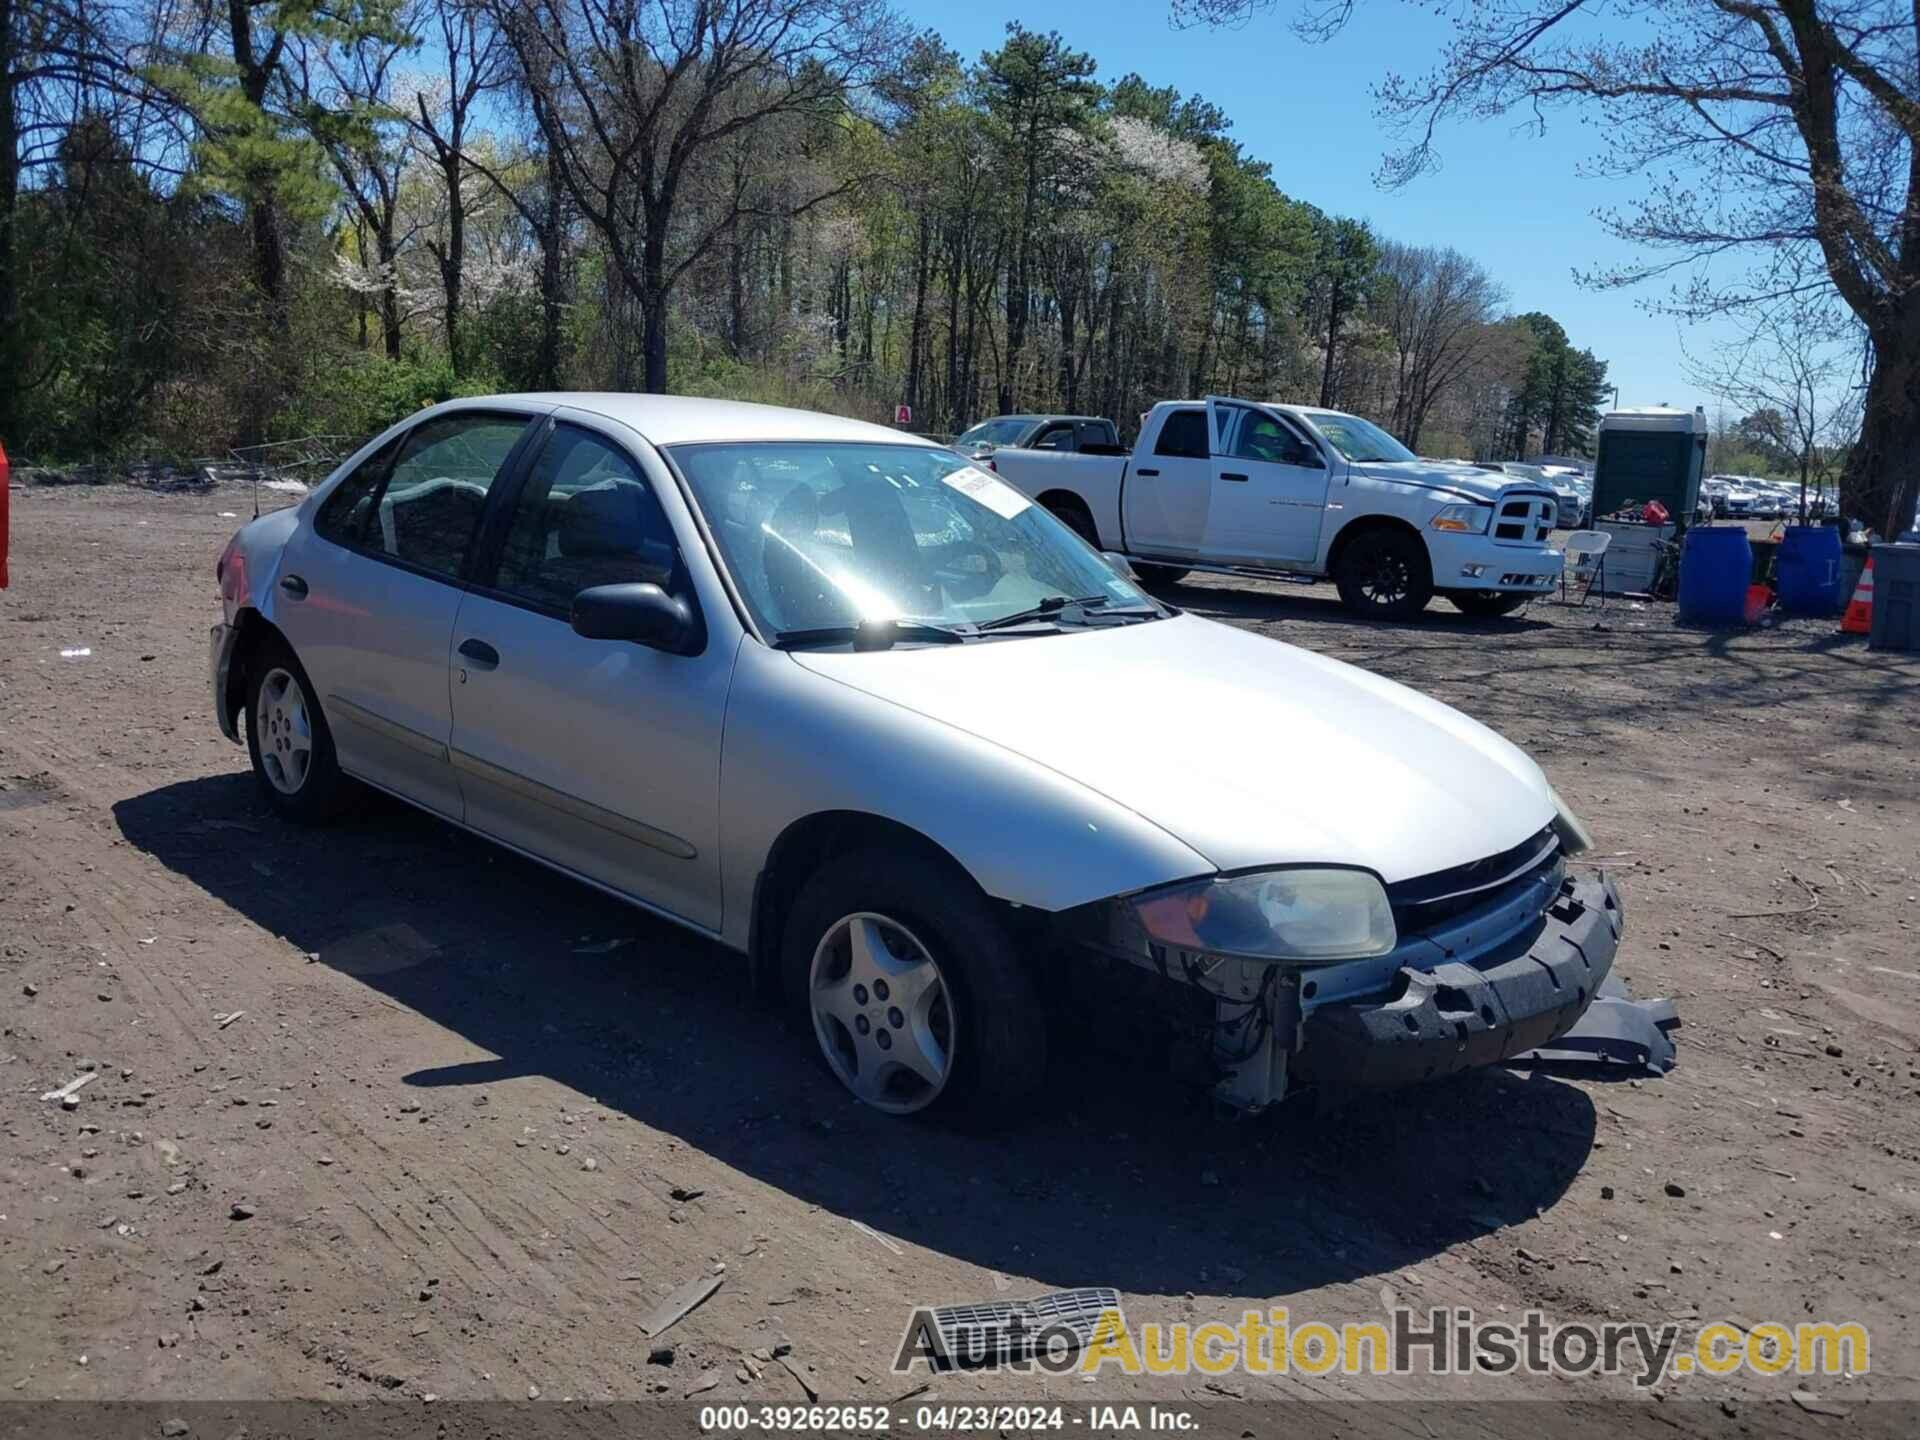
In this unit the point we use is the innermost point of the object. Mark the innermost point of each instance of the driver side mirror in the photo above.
(643, 614)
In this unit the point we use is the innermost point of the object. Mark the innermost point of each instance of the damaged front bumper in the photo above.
(1489, 983)
(1459, 1014)
(221, 642)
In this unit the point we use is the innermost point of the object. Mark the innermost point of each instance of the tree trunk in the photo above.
(1882, 476)
(736, 291)
(9, 199)
(917, 332)
(653, 297)
(389, 292)
(453, 262)
(547, 361)
(1069, 376)
(1334, 306)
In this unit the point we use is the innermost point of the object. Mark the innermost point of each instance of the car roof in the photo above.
(690, 420)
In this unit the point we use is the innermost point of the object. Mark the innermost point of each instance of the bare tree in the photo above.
(1786, 131)
(342, 92)
(631, 94)
(1439, 307)
(472, 59)
(1789, 366)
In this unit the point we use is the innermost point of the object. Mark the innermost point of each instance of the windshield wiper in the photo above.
(869, 635)
(1047, 609)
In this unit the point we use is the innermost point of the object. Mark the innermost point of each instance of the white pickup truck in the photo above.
(1288, 489)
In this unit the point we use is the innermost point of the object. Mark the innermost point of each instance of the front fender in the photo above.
(800, 743)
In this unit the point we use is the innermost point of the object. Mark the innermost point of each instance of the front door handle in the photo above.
(479, 654)
(1147, 474)
(295, 587)
(1233, 475)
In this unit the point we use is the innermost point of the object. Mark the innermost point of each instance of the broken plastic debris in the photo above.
(72, 1087)
(76, 652)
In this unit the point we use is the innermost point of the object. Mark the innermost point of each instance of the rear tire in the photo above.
(1156, 575)
(288, 740)
(1488, 604)
(1385, 575)
(968, 1038)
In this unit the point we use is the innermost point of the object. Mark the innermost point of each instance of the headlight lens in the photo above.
(1306, 916)
(1575, 838)
(1466, 519)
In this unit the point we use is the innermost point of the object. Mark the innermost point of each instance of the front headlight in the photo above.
(1466, 519)
(1306, 916)
(1575, 838)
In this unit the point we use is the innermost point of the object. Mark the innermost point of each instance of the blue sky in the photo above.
(1513, 201)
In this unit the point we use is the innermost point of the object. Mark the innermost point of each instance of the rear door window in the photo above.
(429, 510)
(1185, 435)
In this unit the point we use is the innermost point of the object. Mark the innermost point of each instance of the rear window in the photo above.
(1184, 435)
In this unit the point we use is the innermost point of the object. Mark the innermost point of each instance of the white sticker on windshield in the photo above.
(989, 490)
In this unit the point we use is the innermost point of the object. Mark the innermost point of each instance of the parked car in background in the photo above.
(1244, 486)
(1078, 433)
(1573, 498)
(1771, 500)
(1732, 499)
(537, 615)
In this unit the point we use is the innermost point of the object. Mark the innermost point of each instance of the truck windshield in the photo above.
(1360, 440)
(1006, 430)
(819, 535)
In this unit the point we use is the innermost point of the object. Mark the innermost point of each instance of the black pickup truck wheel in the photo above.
(1488, 604)
(1385, 574)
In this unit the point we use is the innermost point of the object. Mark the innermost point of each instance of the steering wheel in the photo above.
(966, 581)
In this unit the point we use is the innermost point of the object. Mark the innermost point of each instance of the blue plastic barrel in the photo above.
(1808, 572)
(1714, 567)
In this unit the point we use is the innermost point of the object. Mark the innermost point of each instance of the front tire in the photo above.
(1385, 575)
(288, 740)
(1159, 575)
(910, 988)
(1488, 604)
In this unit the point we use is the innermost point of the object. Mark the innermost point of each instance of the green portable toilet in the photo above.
(1652, 454)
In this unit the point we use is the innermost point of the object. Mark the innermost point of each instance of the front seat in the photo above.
(883, 541)
(800, 595)
(612, 533)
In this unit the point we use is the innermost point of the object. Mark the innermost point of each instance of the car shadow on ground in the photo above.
(1113, 1178)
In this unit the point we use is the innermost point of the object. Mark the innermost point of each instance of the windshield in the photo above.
(1360, 440)
(1006, 430)
(822, 535)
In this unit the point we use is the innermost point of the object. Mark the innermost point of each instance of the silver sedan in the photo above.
(851, 706)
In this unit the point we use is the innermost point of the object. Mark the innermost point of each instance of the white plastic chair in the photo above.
(1586, 563)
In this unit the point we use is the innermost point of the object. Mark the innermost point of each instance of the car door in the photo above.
(602, 756)
(1269, 489)
(1168, 491)
(368, 592)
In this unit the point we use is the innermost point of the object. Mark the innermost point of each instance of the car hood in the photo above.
(1249, 751)
(1469, 481)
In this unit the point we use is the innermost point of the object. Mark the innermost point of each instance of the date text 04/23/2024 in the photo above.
(945, 1418)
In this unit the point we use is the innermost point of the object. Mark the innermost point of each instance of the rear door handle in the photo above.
(295, 587)
(480, 654)
(1232, 475)
(1148, 473)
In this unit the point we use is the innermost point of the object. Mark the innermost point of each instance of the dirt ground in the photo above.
(475, 1143)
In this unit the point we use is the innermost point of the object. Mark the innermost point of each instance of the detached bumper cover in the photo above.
(1458, 1016)
(220, 643)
